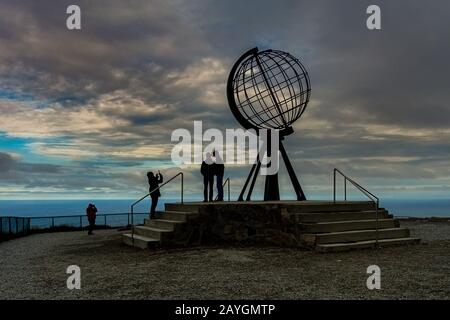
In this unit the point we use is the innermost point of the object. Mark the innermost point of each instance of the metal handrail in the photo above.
(227, 181)
(363, 190)
(148, 194)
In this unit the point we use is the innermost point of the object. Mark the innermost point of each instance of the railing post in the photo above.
(53, 222)
(182, 187)
(81, 222)
(345, 189)
(228, 190)
(334, 185)
(105, 219)
(132, 225)
(376, 223)
(9, 229)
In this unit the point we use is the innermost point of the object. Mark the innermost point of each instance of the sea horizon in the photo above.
(57, 207)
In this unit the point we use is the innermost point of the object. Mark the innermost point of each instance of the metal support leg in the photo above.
(297, 188)
(241, 196)
(252, 185)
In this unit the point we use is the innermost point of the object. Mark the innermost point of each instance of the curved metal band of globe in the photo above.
(276, 117)
(230, 90)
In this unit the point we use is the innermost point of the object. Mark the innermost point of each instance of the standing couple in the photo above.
(210, 168)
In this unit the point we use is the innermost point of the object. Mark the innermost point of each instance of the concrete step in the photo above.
(354, 236)
(139, 241)
(169, 225)
(340, 216)
(291, 206)
(192, 207)
(181, 216)
(312, 207)
(151, 232)
(338, 247)
(338, 226)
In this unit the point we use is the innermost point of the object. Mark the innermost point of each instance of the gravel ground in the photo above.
(34, 268)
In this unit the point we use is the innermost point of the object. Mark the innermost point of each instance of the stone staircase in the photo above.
(317, 225)
(156, 232)
(342, 231)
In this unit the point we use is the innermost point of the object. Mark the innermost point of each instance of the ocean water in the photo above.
(48, 208)
(417, 207)
(39, 209)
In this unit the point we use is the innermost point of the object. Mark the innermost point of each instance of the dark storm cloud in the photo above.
(13, 171)
(143, 68)
(8, 163)
(86, 178)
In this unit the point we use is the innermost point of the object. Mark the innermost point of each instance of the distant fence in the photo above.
(79, 221)
(12, 227)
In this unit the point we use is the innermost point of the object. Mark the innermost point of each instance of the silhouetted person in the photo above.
(207, 170)
(91, 212)
(153, 182)
(219, 169)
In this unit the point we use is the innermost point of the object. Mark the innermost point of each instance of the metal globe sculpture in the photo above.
(269, 89)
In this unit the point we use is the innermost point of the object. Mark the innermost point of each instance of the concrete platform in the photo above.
(314, 224)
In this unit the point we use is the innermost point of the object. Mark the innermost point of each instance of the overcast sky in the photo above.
(84, 114)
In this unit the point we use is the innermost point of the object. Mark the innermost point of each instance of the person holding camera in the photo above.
(153, 182)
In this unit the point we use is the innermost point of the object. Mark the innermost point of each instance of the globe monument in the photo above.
(269, 89)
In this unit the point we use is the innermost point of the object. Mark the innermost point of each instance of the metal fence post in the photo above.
(53, 222)
(105, 219)
(81, 222)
